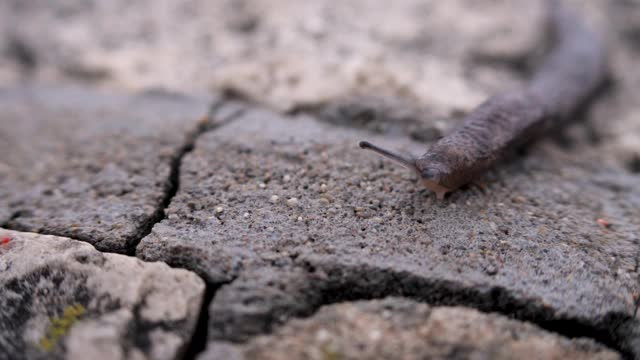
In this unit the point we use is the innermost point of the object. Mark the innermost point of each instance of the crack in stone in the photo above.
(14, 215)
(171, 187)
(208, 124)
(200, 334)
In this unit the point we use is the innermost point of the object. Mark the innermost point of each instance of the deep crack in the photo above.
(171, 187)
(211, 122)
(200, 334)
(329, 283)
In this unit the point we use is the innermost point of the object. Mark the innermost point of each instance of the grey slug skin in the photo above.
(571, 72)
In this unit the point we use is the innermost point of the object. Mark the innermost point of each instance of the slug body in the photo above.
(571, 72)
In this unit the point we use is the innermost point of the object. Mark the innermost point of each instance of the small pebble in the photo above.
(375, 335)
(324, 201)
(323, 188)
(219, 209)
(262, 185)
(299, 218)
(322, 335)
(293, 202)
(519, 200)
(286, 178)
(274, 199)
(245, 215)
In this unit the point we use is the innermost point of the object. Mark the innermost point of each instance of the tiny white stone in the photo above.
(262, 185)
(245, 215)
(299, 218)
(323, 187)
(274, 199)
(219, 209)
(286, 178)
(292, 202)
(322, 335)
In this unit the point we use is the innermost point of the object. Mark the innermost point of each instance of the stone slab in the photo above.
(63, 299)
(396, 328)
(88, 164)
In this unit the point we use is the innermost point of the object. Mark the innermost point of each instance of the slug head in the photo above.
(433, 173)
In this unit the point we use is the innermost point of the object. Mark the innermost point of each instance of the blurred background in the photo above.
(434, 59)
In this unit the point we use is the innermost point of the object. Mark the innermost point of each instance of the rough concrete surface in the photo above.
(62, 298)
(276, 207)
(90, 165)
(396, 328)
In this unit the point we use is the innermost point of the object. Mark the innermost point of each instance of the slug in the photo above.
(571, 72)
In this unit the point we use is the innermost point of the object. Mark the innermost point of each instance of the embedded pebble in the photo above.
(293, 202)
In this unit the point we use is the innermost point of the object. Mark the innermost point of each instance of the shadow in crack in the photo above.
(259, 301)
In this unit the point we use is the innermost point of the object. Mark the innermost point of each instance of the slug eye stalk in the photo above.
(407, 162)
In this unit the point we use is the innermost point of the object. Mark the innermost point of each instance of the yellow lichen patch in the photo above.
(59, 326)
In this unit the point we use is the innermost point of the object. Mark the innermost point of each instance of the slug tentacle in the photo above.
(407, 162)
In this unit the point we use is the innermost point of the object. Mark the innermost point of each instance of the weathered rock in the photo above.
(259, 300)
(61, 298)
(551, 235)
(396, 328)
(94, 166)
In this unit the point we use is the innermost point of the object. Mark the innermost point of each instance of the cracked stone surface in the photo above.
(267, 190)
(403, 329)
(90, 165)
(71, 301)
(277, 202)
